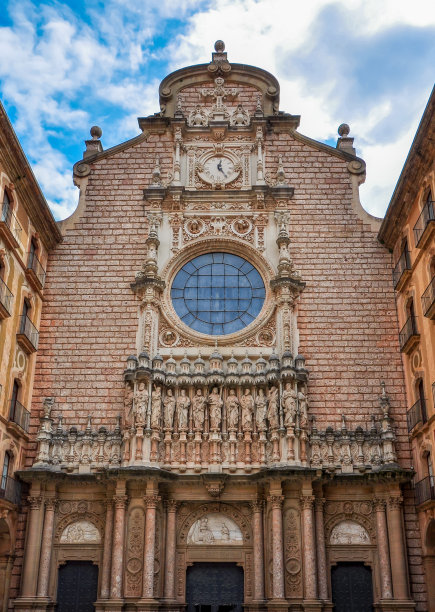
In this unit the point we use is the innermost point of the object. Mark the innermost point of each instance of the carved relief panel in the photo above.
(134, 552)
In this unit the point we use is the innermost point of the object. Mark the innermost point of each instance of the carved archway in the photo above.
(235, 515)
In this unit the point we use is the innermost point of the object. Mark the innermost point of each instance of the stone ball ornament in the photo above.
(343, 130)
(96, 132)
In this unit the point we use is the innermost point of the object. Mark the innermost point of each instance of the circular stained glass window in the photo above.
(218, 293)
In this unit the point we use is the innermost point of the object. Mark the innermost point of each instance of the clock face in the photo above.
(218, 169)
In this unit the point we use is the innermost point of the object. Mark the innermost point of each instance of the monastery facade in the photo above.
(218, 415)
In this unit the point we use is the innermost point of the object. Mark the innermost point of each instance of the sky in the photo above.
(68, 65)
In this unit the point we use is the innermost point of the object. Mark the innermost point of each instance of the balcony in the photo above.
(35, 273)
(417, 414)
(10, 490)
(428, 300)
(28, 335)
(402, 270)
(10, 229)
(424, 229)
(424, 490)
(409, 335)
(6, 298)
(19, 415)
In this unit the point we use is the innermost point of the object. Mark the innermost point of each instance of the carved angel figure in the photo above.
(198, 410)
(215, 402)
(232, 406)
(272, 407)
(140, 404)
(288, 402)
(169, 409)
(260, 410)
(183, 403)
(247, 403)
(156, 406)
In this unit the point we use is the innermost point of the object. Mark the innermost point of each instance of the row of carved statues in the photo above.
(194, 409)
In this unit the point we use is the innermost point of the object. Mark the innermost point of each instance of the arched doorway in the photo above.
(214, 587)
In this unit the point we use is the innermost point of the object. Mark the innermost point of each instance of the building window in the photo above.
(218, 293)
(5, 472)
(421, 399)
(6, 208)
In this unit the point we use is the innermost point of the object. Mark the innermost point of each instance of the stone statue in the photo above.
(140, 405)
(47, 406)
(302, 401)
(169, 409)
(247, 403)
(288, 402)
(198, 410)
(215, 402)
(183, 403)
(272, 407)
(128, 405)
(232, 406)
(260, 410)
(156, 406)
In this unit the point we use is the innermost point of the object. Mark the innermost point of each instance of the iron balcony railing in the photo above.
(6, 296)
(426, 216)
(428, 297)
(424, 490)
(408, 330)
(416, 414)
(11, 221)
(10, 489)
(34, 264)
(29, 330)
(403, 264)
(19, 415)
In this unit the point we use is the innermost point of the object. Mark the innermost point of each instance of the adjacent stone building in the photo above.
(27, 232)
(409, 231)
(219, 406)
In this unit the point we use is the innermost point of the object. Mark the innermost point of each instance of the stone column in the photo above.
(309, 547)
(171, 506)
(120, 502)
(384, 556)
(257, 527)
(397, 548)
(107, 552)
(321, 550)
(151, 502)
(277, 547)
(31, 556)
(46, 548)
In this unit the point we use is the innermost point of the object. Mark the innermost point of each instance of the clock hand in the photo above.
(219, 167)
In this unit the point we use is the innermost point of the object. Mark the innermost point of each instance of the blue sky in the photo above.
(68, 65)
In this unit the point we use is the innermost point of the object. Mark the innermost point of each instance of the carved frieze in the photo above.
(292, 553)
(134, 552)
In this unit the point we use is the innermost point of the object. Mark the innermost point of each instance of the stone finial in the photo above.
(219, 63)
(219, 46)
(344, 143)
(94, 145)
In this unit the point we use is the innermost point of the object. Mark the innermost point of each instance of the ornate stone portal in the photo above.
(218, 454)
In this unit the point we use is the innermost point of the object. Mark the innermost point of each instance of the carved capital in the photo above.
(120, 501)
(276, 501)
(395, 502)
(307, 502)
(171, 505)
(319, 503)
(257, 505)
(51, 503)
(34, 502)
(151, 501)
(379, 504)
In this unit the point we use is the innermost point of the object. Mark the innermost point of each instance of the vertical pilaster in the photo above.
(107, 552)
(277, 547)
(120, 502)
(46, 548)
(31, 556)
(397, 548)
(322, 581)
(383, 552)
(309, 547)
(171, 508)
(151, 502)
(257, 526)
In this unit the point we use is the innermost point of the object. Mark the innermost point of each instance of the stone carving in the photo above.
(261, 410)
(169, 409)
(349, 532)
(239, 117)
(241, 227)
(216, 529)
(140, 405)
(134, 553)
(247, 404)
(198, 117)
(156, 406)
(198, 410)
(215, 407)
(183, 404)
(288, 401)
(272, 407)
(80, 532)
(292, 553)
(232, 408)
